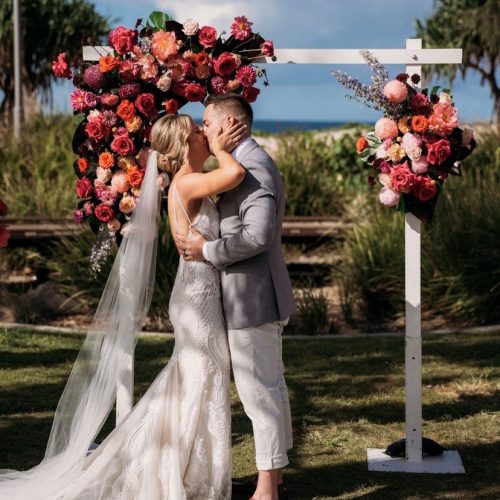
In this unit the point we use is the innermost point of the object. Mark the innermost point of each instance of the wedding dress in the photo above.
(175, 444)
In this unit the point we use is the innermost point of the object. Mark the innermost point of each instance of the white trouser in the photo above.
(256, 357)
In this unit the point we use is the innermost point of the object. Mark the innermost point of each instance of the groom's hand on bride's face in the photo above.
(192, 248)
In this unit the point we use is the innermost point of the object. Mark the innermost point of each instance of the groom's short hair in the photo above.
(232, 104)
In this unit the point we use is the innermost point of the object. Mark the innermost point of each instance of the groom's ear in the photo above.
(229, 120)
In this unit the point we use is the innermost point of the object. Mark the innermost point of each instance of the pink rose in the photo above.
(425, 189)
(4, 235)
(96, 130)
(145, 103)
(444, 119)
(83, 187)
(122, 39)
(225, 64)
(267, 48)
(410, 141)
(403, 179)
(60, 68)
(123, 145)
(438, 152)
(207, 37)
(104, 213)
(114, 225)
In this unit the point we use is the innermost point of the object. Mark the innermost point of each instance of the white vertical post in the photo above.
(16, 18)
(413, 348)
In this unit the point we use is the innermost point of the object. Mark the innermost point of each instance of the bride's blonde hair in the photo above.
(169, 136)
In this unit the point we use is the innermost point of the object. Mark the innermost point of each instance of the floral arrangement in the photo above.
(4, 231)
(416, 145)
(153, 70)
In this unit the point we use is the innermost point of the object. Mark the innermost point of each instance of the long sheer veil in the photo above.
(91, 388)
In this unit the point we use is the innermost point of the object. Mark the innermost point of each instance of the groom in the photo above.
(256, 290)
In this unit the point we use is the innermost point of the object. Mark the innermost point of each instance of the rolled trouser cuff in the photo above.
(277, 462)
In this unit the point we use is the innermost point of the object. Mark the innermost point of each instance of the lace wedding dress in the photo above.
(176, 442)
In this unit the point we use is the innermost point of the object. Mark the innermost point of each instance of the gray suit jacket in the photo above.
(256, 287)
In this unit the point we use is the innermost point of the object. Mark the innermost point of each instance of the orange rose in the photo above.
(135, 176)
(419, 123)
(126, 110)
(134, 124)
(108, 63)
(361, 144)
(106, 160)
(83, 165)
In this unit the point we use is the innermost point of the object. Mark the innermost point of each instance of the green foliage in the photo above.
(460, 251)
(36, 177)
(473, 26)
(70, 270)
(321, 174)
(312, 316)
(48, 28)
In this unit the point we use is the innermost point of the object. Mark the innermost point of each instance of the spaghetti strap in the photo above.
(176, 194)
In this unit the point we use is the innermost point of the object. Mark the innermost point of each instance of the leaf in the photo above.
(435, 89)
(158, 20)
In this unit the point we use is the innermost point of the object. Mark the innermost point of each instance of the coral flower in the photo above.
(164, 44)
(419, 123)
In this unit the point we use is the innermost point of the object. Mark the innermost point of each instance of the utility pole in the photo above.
(17, 68)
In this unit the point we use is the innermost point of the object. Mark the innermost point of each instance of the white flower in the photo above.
(414, 152)
(190, 26)
(385, 180)
(103, 174)
(381, 152)
(444, 98)
(94, 115)
(127, 204)
(125, 229)
(164, 82)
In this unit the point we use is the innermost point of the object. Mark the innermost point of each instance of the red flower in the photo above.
(4, 235)
(403, 180)
(207, 37)
(171, 106)
(145, 103)
(425, 189)
(4, 210)
(60, 68)
(122, 39)
(193, 92)
(129, 71)
(251, 94)
(126, 110)
(225, 64)
(361, 144)
(123, 145)
(96, 130)
(83, 187)
(104, 213)
(83, 165)
(201, 59)
(438, 152)
(109, 100)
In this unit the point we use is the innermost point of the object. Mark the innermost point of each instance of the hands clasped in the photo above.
(190, 248)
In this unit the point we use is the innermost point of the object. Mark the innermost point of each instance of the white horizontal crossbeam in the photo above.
(332, 56)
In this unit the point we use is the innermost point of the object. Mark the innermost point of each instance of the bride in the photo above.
(175, 443)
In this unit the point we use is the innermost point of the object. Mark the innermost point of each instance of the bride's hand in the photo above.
(227, 140)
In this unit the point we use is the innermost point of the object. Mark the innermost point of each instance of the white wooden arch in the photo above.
(413, 56)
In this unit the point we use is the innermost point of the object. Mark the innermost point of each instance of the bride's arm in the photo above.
(229, 174)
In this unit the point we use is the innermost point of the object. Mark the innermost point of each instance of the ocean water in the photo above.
(277, 126)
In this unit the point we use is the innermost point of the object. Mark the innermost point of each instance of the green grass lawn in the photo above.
(346, 395)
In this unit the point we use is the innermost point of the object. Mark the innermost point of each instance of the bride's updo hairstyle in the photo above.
(169, 136)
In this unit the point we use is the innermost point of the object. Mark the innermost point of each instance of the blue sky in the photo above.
(307, 92)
